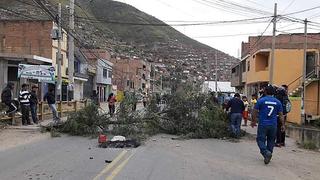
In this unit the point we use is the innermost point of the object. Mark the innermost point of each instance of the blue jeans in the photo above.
(54, 112)
(266, 138)
(236, 119)
(33, 109)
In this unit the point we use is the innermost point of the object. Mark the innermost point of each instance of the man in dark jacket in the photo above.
(24, 99)
(34, 103)
(237, 108)
(6, 98)
(282, 96)
(50, 98)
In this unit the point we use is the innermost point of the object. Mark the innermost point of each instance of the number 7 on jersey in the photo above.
(271, 108)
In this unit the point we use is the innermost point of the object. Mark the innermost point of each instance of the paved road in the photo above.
(161, 158)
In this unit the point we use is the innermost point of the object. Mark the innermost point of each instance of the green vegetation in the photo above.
(187, 113)
(309, 145)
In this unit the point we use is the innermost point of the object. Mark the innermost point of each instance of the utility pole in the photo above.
(216, 72)
(71, 50)
(304, 73)
(59, 59)
(161, 83)
(153, 78)
(273, 44)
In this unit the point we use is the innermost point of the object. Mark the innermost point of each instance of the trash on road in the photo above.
(118, 138)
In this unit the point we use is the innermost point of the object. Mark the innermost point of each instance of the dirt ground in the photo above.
(10, 138)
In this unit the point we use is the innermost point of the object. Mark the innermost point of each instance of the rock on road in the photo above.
(161, 158)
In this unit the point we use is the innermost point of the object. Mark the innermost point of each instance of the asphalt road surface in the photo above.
(161, 158)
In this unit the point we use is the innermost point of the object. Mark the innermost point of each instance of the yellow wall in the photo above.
(312, 104)
(295, 115)
(288, 67)
(253, 76)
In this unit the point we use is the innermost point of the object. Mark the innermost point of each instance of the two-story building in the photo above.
(100, 71)
(252, 73)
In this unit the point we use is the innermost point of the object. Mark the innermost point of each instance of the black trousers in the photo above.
(25, 111)
(112, 109)
(281, 136)
(12, 107)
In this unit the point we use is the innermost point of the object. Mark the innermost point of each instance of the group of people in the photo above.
(28, 102)
(269, 111)
(133, 100)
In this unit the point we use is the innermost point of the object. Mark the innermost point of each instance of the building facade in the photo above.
(132, 74)
(252, 73)
(22, 39)
(100, 73)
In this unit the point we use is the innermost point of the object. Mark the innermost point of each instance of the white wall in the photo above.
(103, 64)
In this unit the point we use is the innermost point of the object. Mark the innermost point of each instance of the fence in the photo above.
(44, 112)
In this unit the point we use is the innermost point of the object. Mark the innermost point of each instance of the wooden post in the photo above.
(41, 104)
(75, 106)
(85, 102)
(60, 108)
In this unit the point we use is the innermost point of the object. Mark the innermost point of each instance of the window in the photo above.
(77, 66)
(248, 66)
(109, 74)
(143, 85)
(144, 76)
(105, 73)
(243, 67)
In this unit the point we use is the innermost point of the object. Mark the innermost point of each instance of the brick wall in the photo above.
(283, 41)
(26, 37)
(129, 69)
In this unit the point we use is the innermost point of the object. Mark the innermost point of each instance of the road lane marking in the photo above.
(116, 171)
(110, 166)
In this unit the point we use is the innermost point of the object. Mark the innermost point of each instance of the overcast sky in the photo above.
(186, 11)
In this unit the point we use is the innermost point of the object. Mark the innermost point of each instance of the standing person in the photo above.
(253, 102)
(268, 108)
(50, 98)
(95, 98)
(282, 96)
(34, 103)
(6, 98)
(245, 114)
(24, 99)
(145, 99)
(237, 108)
(111, 103)
(134, 101)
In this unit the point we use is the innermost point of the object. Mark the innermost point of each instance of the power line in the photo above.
(227, 35)
(249, 20)
(287, 7)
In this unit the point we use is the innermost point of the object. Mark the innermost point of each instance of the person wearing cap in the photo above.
(268, 108)
(6, 98)
(24, 99)
(34, 103)
(237, 107)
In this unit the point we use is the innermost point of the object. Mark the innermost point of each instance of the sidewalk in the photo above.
(35, 127)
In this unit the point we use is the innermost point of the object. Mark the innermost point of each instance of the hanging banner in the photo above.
(43, 73)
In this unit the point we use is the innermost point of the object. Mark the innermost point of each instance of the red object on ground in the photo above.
(102, 138)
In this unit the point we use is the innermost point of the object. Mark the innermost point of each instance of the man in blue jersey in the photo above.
(268, 108)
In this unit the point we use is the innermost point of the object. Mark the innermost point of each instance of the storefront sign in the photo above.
(42, 73)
